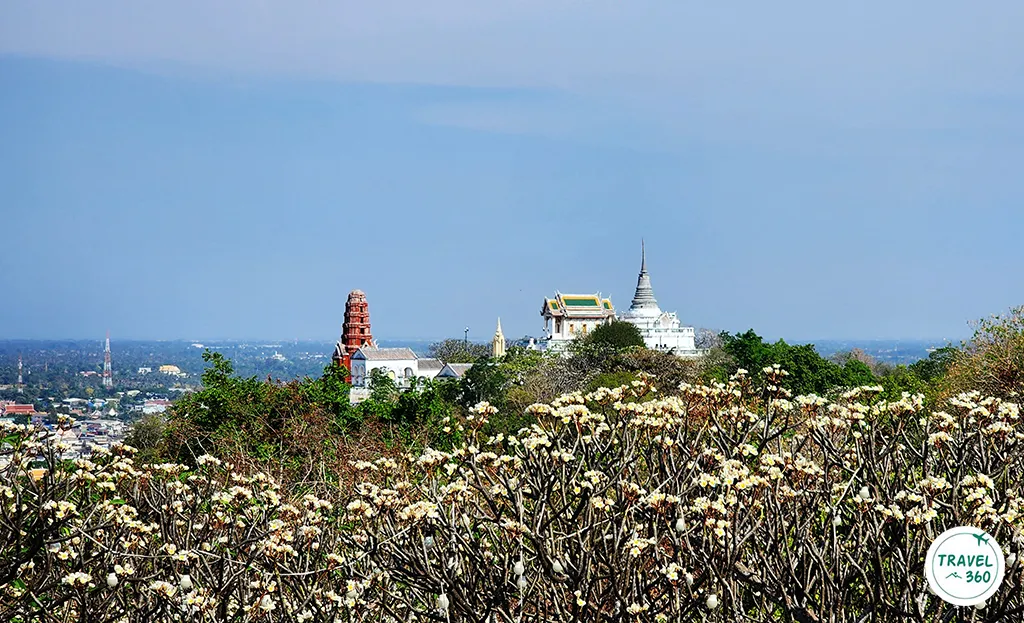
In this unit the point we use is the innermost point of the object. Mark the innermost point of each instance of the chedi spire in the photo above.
(644, 296)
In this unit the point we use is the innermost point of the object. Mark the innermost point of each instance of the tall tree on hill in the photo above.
(617, 335)
(993, 360)
(458, 351)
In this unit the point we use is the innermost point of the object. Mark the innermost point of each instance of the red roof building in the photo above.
(11, 408)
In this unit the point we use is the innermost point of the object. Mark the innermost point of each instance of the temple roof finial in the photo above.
(643, 257)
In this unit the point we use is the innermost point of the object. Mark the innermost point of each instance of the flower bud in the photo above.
(980, 606)
(428, 541)
(519, 568)
(521, 582)
(689, 580)
(865, 493)
(557, 566)
(111, 580)
(442, 602)
(837, 521)
(680, 525)
(185, 582)
(712, 601)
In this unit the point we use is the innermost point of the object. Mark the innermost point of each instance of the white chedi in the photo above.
(660, 330)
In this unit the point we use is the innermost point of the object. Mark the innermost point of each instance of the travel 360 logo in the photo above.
(964, 566)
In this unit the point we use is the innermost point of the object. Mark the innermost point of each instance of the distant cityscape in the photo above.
(107, 385)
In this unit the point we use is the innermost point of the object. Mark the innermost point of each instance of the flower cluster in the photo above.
(723, 500)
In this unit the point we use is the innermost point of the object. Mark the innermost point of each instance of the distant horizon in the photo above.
(477, 339)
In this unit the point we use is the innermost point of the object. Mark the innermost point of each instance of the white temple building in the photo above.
(661, 330)
(401, 365)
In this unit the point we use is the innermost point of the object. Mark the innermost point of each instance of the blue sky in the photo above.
(233, 169)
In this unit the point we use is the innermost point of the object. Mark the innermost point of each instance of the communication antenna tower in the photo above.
(108, 374)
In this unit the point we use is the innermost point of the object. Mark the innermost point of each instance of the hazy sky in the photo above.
(233, 169)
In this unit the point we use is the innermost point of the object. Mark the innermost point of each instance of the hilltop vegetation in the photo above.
(729, 502)
(307, 425)
(763, 482)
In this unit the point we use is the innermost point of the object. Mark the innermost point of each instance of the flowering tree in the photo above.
(731, 502)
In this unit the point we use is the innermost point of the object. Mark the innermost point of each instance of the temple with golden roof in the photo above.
(568, 316)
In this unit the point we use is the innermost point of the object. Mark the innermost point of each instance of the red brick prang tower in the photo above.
(355, 333)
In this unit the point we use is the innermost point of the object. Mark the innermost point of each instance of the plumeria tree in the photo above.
(727, 502)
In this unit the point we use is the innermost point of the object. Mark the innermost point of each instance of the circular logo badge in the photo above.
(964, 566)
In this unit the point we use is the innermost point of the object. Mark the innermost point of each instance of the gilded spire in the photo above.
(498, 343)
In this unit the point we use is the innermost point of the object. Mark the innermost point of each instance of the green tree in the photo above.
(904, 379)
(936, 365)
(485, 381)
(383, 395)
(458, 351)
(331, 392)
(858, 373)
(424, 410)
(748, 350)
(617, 335)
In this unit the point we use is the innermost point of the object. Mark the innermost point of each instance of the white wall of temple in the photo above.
(398, 369)
(682, 341)
(565, 329)
(663, 332)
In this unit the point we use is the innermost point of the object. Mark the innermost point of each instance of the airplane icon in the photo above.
(981, 538)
